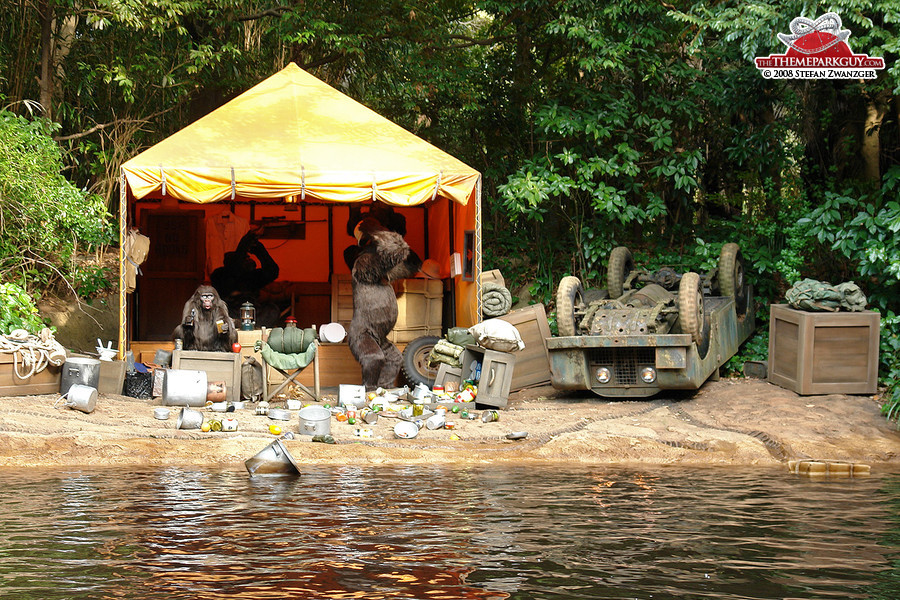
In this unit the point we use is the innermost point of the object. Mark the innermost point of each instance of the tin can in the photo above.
(418, 408)
(179, 344)
(229, 424)
(489, 416)
(363, 432)
(369, 415)
(450, 425)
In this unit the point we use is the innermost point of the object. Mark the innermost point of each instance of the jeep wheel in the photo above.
(690, 308)
(731, 276)
(569, 305)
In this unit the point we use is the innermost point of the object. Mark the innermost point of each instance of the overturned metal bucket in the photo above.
(189, 419)
(80, 397)
(274, 459)
(185, 388)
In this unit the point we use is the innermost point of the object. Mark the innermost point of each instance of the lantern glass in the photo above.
(248, 316)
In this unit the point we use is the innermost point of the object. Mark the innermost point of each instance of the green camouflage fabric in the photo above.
(819, 296)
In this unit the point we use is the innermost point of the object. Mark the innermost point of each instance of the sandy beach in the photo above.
(740, 422)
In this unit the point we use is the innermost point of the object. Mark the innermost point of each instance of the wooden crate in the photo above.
(823, 352)
(43, 382)
(341, 299)
(533, 361)
(336, 366)
(420, 309)
(218, 366)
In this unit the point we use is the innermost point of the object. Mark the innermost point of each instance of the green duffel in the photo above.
(291, 340)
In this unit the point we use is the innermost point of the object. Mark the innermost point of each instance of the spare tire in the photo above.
(416, 366)
(621, 263)
(731, 277)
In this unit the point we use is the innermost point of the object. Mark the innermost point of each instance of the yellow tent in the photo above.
(292, 138)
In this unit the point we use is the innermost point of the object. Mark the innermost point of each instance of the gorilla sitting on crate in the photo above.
(383, 257)
(205, 324)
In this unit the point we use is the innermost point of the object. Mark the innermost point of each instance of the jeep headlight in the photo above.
(603, 375)
(648, 374)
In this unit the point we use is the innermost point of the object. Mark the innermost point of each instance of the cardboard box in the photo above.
(823, 352)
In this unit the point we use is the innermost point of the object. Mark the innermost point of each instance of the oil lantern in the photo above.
(248, 317)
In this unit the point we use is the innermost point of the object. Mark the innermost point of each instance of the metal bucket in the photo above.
(274, 459)
(315, 420)
(185, 388)
(189, 418)
(78, 370)
(81, 397)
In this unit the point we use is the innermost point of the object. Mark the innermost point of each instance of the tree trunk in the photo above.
(876, 108)
(45, 9)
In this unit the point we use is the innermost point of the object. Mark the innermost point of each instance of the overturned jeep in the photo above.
(650, 331)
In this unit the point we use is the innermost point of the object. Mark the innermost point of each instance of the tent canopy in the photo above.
(294, 135)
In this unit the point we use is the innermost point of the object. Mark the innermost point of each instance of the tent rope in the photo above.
(162, 176)
(233, 187)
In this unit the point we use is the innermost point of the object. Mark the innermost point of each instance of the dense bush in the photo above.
(45, 221)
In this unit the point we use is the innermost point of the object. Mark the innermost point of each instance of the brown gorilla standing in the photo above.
(199, 328)
(383, 257)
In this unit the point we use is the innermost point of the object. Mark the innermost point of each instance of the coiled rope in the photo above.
(32, 353)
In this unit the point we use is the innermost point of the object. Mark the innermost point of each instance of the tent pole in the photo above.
(478, 299)
(123, 320)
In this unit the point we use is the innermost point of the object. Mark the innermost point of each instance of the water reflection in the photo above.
(447, 532)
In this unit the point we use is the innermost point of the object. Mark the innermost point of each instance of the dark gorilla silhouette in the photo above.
(198, 326)
(383, 257)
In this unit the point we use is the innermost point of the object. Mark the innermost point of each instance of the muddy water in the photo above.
(444, 533)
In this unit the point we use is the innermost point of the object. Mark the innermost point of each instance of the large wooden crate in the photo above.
(341, 299)
(823, 352)
(533, 361)
(43, 382)
(218, 366)
(420, 309)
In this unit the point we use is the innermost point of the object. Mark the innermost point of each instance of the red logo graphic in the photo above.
(818, 50)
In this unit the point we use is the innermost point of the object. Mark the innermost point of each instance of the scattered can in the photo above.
(489, 416)
(363, 432)
(369, 415)
(161, 413)
(229, 424)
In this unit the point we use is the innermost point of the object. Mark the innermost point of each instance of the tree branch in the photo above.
(98, 127)
(269, 12)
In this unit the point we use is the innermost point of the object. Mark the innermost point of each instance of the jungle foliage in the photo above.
(595, 124)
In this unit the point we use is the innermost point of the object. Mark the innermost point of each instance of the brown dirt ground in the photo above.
(728, 422)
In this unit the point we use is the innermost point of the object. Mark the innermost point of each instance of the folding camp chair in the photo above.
(291, 370)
